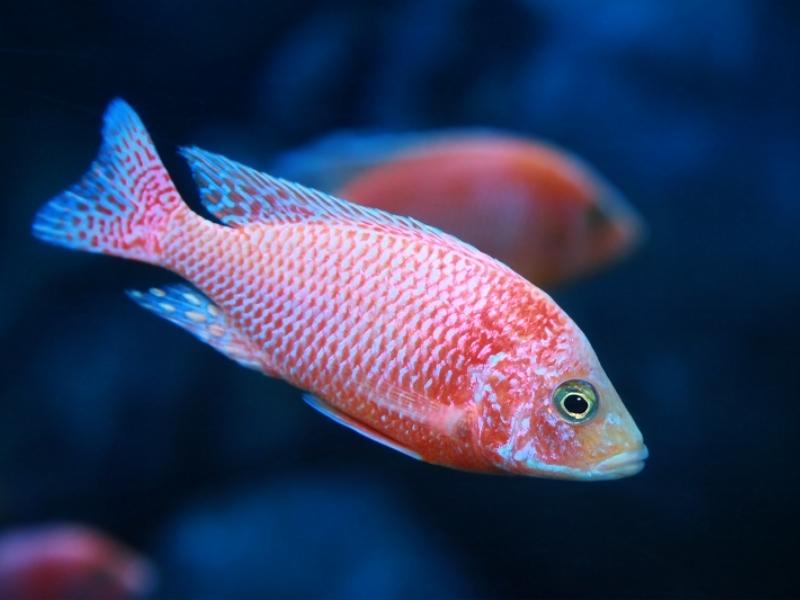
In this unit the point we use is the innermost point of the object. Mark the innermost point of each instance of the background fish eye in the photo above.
(576, 400)
(596, 216)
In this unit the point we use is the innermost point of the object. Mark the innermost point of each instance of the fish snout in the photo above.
(623, 464)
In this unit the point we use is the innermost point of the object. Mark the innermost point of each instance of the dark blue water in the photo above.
(235, 487)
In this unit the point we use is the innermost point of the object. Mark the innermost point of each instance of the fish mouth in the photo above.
(624, 464)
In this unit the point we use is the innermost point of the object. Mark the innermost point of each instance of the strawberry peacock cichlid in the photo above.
(398, 330)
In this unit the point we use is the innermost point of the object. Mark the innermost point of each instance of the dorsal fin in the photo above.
(331, 162)
(238, 195)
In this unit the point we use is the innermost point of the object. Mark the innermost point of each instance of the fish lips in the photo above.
(621, 465)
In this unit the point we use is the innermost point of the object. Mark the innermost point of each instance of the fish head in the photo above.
(588, 233)
(577, 222)
(548, 409)
(613, 228)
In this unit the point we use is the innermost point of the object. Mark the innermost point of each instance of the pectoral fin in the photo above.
(348, 421)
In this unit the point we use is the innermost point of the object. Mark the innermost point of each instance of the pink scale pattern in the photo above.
(385, 326)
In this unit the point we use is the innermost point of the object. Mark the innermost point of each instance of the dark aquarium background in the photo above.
(233, 486)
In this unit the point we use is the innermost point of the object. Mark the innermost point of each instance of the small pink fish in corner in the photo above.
(399, 331)
(537, 208)
(63, 560)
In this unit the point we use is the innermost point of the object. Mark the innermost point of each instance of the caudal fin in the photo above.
(123, 204)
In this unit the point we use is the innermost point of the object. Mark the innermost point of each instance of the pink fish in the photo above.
(69, 561)
(540, 210)
(400, 331)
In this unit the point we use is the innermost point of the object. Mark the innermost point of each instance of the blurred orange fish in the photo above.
(60, 561)
(543, 212)
(402, 332)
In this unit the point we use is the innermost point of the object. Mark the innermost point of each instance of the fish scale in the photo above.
(347, 337)
(401, 332)
(411, 307)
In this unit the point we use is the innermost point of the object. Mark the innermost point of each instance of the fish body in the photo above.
(70, 561)
(398, 330)
(540, 210)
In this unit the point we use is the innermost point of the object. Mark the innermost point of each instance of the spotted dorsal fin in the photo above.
(238, 195)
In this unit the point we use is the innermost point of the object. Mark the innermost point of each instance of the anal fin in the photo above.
(185, 307)
(348, 421)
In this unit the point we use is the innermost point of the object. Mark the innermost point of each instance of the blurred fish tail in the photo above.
(124, 204)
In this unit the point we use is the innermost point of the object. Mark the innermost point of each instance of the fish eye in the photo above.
(576, 400)
(596, 216)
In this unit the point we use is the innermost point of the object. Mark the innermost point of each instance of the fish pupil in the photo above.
(576, 404)
(595, 216)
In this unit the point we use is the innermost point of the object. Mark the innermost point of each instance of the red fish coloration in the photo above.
(56, 562)
(400, 331)
(543, 212)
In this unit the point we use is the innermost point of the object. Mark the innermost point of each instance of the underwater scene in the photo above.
(419, 299)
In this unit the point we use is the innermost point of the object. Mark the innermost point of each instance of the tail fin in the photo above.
(123, 204)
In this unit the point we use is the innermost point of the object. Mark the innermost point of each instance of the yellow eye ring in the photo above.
(576, 400)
